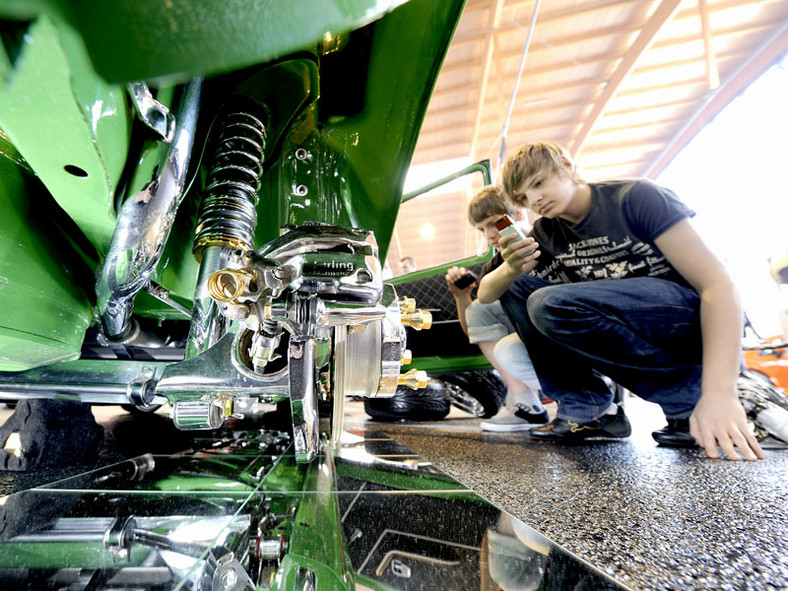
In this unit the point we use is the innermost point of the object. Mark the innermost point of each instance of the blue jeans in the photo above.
(644, 333)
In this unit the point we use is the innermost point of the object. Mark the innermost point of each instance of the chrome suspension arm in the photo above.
(144, 225)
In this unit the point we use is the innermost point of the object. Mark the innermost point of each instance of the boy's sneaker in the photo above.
(561, 430)
(517, 419)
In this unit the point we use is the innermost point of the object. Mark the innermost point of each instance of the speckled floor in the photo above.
(651, 517)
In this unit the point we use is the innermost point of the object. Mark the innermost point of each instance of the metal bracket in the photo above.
(154, 114)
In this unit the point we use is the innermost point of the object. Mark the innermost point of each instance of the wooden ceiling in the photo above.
(623, 84)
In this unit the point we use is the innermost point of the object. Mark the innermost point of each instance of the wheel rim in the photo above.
(465, 402)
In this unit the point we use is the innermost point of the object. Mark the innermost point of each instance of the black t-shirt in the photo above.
(615, 240)
(495, 262)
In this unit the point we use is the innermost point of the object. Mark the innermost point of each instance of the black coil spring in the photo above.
(228, 214)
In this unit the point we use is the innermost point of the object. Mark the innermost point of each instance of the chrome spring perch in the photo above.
(228, 213)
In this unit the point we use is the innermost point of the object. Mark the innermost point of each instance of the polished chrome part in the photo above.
(229, 575)
(337, 419)
(189, 415)
(208, 324)
(319, 286)
(228, 214)
(307, 282)
(323, 286)
(88, 380)
(304, 579)
(152, 112)
(119, 533)
(213, 542)
(369, 356)
(303, 400)
(118, 537)
(356, 359)
(766, 406)
(72, 530)
(220, 371)
(144, 225)
(264, 344)
(271, 549)
(163, 295)
(141, 390)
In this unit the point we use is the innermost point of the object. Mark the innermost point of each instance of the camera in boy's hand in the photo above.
(466, 280)
(506, 227)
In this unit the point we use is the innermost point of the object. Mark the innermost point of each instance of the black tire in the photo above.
(483, 385)
(426, 404)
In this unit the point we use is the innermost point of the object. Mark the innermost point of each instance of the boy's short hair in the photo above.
(530, 159)
(488, 202)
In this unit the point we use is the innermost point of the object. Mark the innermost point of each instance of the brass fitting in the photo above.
(418, 319)
(227, 285)
(414, 379)
(406, 304)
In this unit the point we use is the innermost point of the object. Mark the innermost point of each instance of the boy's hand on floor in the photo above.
(722, 424)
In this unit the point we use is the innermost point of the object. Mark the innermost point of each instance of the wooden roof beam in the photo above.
(771, 50)
(711, 65)
(490, 49)
(589, 7)
(664, 12)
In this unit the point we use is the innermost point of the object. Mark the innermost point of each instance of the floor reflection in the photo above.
(238, 507)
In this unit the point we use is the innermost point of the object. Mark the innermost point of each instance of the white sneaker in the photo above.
(518, 418)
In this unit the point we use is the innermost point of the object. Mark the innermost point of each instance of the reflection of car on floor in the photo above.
(238, 512)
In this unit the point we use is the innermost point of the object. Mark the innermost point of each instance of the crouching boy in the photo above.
(488, 326)
(621, 284)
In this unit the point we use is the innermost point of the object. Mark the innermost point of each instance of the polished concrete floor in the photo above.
(651, 518)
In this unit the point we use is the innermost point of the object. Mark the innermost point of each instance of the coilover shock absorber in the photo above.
(228, 214)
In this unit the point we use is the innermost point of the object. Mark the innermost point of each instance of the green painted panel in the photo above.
(144, 39)
(44, 305)
(317, 542)
(69, 126)
(406, 52)
(439, 364)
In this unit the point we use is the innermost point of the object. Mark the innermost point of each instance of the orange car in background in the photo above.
(770, 360)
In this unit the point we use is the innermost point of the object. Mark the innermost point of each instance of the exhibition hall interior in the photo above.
(323, 295)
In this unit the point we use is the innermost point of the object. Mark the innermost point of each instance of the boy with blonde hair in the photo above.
(621, 284)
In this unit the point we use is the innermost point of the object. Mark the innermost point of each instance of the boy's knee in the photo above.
(501, 350)
(549, 306)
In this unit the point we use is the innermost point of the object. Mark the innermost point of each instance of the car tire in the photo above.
(425, 404)
(483, 385)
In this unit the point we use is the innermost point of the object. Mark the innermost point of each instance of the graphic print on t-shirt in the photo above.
(609, 243)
